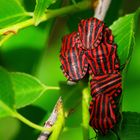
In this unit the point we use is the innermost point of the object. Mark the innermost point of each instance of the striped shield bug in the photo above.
(72, 57)
(104, 107)
(92, 50)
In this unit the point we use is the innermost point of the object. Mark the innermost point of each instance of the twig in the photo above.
(52, 119)
(102, 9)
(81, 6)
(5, 38)
(50, 14)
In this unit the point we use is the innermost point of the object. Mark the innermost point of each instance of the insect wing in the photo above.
(90, 31)
(73, 58)
(104, 107)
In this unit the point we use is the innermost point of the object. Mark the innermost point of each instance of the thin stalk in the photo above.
(85, 113)
(49, 14)
(70, 9)
(52, 88)
(5, 38)
(15, 114)
(31, 124)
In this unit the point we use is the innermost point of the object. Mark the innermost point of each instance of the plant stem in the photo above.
(31, 124)
(52, 88)
(70, 9)
(15, 114)
(101, 9)
(5, 38)
(49, 14)
(85, 113)
(17, 26)
(51, 120)
(58, 125)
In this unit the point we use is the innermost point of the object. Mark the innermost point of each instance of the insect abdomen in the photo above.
(104, 107)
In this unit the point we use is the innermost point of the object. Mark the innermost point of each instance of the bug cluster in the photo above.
(92, 50)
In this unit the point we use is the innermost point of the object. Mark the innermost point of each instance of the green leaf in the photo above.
(13, 126)
(131, 90)
(41, 6)
(72, 97)
(130, 126)
(6, 94)
(72, 133)
(109, 136)
(16, 48)
(123, 30)
(27, 89)
(11, 12)
(129, 130)
(18, 90)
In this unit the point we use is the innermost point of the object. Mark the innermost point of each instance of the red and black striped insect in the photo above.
(72, 57)
(104, 107)
(92, 50)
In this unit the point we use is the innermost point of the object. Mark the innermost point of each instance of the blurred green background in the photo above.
(35, 50)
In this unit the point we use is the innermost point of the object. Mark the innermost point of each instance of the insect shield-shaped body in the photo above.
(98, 44)
(106, 87)
(72, 57)
(92, 50)
(104, 107)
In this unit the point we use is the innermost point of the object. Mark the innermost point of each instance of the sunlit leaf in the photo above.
(6, 94)
(11, 12)
(41, 6)
(123, 30)
(131, 94)
(18, 90)
(72, 98)
(27, 89)
(72, 133)
(27, 51)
